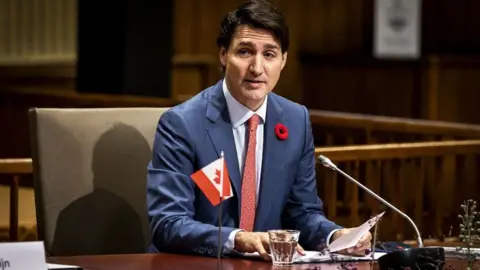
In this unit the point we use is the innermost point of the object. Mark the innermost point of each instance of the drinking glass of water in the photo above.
(283, 245)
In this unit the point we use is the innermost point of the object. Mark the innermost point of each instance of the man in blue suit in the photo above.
(268, 146)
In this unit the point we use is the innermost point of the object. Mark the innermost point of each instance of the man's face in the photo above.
(253, 64)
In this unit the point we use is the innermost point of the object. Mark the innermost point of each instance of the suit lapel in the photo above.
(221, 135)
(272, 153)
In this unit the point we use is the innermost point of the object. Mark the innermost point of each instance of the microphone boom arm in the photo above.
(329, 164)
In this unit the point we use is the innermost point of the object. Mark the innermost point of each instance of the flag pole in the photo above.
(219, 255)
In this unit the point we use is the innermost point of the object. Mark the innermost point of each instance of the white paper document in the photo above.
(62, 266)
(351, 239)
(316, 256)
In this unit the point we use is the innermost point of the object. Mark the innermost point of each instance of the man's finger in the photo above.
(261, 250)
(300, 250)
(362, 248)
(364, 241)
(265, 241)
(366, 238)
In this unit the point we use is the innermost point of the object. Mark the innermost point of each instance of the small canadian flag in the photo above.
(213, 181)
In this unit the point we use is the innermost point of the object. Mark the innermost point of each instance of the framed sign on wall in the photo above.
(397, 30)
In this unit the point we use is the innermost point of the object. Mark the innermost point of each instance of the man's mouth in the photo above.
(254, 81)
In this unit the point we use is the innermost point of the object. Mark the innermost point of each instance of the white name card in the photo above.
(22, 256)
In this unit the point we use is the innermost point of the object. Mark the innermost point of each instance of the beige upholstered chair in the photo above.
(90, 178)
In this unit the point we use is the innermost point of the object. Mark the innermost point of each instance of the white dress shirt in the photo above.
(239, 115)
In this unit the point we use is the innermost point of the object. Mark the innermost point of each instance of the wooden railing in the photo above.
(330, 128)
(428, 180)
(339, 128)
(12, 171)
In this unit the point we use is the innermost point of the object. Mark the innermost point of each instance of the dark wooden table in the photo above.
(183, 262)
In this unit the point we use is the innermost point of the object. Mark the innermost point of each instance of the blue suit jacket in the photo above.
(190, 136)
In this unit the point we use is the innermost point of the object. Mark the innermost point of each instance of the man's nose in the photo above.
(256, 67)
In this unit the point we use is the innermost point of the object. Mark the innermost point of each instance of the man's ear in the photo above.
(223, 56)
(284, 59)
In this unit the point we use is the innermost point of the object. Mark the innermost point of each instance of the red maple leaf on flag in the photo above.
(209, 180)
(217, 176)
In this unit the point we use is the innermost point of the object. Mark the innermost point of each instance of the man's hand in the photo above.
(362, 245)
(250, 242)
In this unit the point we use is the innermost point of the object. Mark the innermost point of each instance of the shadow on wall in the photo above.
(113, 218)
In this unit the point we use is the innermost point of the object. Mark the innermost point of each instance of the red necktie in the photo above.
(249, 182)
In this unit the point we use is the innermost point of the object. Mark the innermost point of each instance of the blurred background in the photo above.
(370, 72)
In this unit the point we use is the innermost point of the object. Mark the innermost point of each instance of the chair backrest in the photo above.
(90, 178)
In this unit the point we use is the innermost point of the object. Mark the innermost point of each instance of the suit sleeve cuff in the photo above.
(330, 236)
(230, 243)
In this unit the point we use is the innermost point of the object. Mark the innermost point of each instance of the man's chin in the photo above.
(255, 94)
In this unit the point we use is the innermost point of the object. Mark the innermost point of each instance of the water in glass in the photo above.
(283, 245)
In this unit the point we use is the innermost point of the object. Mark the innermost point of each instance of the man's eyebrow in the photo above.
(266, 46)
(245, 43)
(271, 46)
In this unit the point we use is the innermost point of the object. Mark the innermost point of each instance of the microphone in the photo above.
(329, 164)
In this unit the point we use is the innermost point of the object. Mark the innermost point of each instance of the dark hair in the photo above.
(257, 14)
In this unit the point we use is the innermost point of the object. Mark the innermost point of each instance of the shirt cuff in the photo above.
(330, 236)
(230, 243)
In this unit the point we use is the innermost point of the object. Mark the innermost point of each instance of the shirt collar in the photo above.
(239, 113)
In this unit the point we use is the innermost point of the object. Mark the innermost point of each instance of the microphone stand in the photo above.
(329, 164)
(415, 258)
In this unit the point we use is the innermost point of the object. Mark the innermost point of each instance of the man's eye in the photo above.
(269, 54)
(243, 52)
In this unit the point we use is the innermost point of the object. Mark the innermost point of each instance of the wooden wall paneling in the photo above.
(389, 92)
(387, 192)
(413, 190)
(327, 190)
(8, 123)
(431, 72)
(448, 189)
(211, 15)
(402, 195)
(360, 84)
(450, 87)
(185, 82)
(354, 192)
(451, 27)
(207, 26)
(186, 41)
(437, 200)
(313, 26)
(418, 190)
(473, 20)
(184, 26)
(289, 84)
(458, 91)
(372, 178)
(335, 21)
(376, 184)
(467, 177)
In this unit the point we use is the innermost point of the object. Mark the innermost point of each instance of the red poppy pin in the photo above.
(281, 131)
